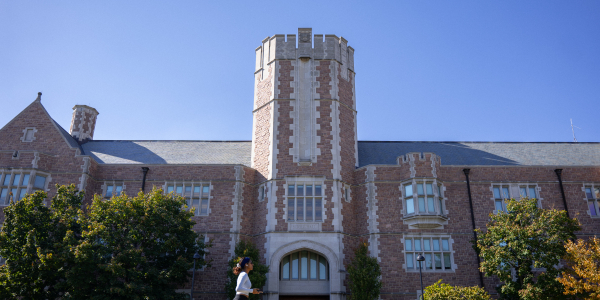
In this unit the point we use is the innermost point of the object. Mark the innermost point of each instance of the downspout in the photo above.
(562, 189)
(466, 171)
(145, 170)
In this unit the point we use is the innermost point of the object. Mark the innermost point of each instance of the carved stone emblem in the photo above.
(304, 37)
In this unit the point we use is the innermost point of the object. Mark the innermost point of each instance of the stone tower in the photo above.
(304, 137)
(304, 106)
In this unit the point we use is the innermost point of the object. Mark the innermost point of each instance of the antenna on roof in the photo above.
(573, 130)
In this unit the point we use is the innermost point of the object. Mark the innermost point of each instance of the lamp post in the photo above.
(420, 258)
(196, 256)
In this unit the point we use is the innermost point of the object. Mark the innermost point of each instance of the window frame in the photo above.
(439, 201)
(22, 188)
(113, 184)
(414, 252)
(189, 198)
(262, 189)
(309, 255)
(33, 132)
(595, 200)
(304, 183)
(514, 192)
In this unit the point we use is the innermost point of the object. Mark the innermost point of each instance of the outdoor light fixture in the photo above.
(196, 256)
(420, 258)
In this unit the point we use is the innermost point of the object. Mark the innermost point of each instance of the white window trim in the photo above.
(30, 188)
(514, 190)
(112, 183)
(23, 138)
(453, 264)
(193, 183)
(262, 192)
(347, 193)
(418, 220)
(306, 180)
(586, 199)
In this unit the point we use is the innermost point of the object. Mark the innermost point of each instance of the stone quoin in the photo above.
(304, 190)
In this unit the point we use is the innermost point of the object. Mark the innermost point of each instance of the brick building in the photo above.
(305, 190)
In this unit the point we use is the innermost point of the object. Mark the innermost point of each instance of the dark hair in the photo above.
(241, 265)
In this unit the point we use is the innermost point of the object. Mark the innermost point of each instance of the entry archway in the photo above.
(279, 287)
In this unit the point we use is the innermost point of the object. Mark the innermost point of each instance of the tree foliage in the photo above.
(364, 275)
(523, 248)
(37, 243)
(122, 248)
(258, 276)
(442, 291)
(583, 276)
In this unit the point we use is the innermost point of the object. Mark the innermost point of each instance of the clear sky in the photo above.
(426, 70)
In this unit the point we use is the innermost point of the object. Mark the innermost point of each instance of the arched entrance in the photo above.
(304, 271)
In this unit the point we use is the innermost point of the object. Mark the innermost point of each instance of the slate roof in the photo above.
(169, 152)
(69, 138)
(369, 152)
(485, 153)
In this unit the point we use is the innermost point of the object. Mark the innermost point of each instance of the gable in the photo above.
(45, 134)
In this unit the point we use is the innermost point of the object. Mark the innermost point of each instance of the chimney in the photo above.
(83, 123)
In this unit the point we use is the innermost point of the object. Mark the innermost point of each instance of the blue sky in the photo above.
(426, 70)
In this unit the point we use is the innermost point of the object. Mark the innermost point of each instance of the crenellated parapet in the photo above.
(422, 164)
(307, 46)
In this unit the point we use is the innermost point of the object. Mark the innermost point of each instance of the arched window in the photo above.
(304, 265)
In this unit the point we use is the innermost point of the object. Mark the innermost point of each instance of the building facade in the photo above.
(305, 190)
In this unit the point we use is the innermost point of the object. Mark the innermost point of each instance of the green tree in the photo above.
(36, 241)
(522, 240)
(442, 291)
(123, 248)
(258, 276)
(364, 274)
(135, 248)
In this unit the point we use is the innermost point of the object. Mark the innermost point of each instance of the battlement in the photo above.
(326, 47)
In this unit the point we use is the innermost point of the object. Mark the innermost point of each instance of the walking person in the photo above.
(244, 286)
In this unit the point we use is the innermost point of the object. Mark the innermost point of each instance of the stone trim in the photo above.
(372, 212)
(274, 141)
(305, 180)
(585, 199)
(186, 182)
(429, 235)
(515, 192)
(236, 208)
(424, 221)
(309, 134)
(33, 138)
(36, 159)
(275, 259)
(113, 182)
(271, 196)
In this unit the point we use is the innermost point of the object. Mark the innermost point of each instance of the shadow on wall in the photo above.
(451, 153)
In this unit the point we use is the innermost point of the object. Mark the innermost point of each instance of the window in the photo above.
(261, 193)
(424, 206)
(501, 192)
(304, 265)
(113, 189)
(13, 186)
(426, 199)
(197, 195)
(592, 195)
(436, 250)
(347, 193)
(28, 134)
(304, 203)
